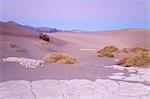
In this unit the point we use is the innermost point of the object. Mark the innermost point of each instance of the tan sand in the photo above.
(89, 67)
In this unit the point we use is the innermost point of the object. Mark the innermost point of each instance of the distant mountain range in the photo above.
(46, 29)
(37, 29)
(51, 30)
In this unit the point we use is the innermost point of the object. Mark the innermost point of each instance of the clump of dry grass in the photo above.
(142, 58)
(9, 45)
(124, 50)
(44, 37)
(13, 46)
(122, 60)
(138, 49)
(60, 57)
(132, 50)
(19, 50)
(107, 51)
(137, 56)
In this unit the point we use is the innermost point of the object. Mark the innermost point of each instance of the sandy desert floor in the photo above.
(91, 78)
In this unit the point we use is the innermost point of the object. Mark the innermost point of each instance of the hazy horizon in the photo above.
(89, 15)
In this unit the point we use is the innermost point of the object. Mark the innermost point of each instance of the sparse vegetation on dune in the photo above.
(15, 47)
(8, 45)
(133, 50)
(140, 58)
(122, 60)
(107, 51)
(124, 50)
(44, 37)
(138, 49)
(19, 50)
(60, 57)
(137, 56)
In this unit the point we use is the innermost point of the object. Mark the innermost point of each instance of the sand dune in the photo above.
(120, 38)
(26, 41)
(132, 37)
(14, 29)
(82, 46)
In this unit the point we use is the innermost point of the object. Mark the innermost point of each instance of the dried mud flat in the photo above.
(73, 89)
(24, 75)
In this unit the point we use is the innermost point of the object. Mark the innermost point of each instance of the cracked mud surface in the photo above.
(132, 84)
(73, 89)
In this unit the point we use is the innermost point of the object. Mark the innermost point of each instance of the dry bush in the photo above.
(107, 51)
(124, 50)
(133, 50)
(60, 57)
(122, 60)
(13, 46)
(138, 49)
(9, 45)
(19, 50)
(140, 59)
(44, 36)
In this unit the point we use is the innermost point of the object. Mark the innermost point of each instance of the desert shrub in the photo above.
(107, 51)
(19, 50)
(15, 47)
(138, 49)
(9, 45)
(60, 57)
(122, 60)
(44, 37)
(124, 50)
(140, 59)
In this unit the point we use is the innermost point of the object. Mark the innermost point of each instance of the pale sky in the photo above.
(92, 15)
